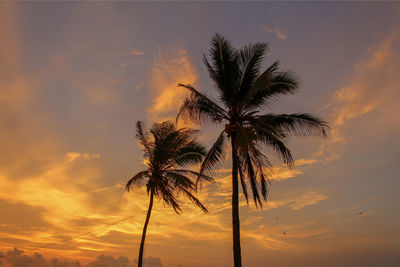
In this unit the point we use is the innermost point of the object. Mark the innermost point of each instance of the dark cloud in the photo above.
(152, 262)
(109, 261)
(17, 258)
(14, 215)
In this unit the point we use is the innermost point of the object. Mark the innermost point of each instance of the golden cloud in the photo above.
(136, 52)
(307, 199)
(276, 30)
(372, 90)
(171, 66)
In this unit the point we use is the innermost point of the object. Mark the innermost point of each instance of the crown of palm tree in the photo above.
(244, 90)
(166, 150)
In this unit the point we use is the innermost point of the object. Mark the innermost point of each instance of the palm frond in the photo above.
(250, 58)
(199, 108)
(179, 179)
(194, 174)
(243, 181)
(252, 176)
(298, 124)
(169, 141)
(194, 200)
(264, 185)
(191, 153)
(223, 68)
(136, 180)
(143, 138)
(278, 146)
(270, 85)
(215, 154)
(271, 137)
(166, 193)
(261, 161)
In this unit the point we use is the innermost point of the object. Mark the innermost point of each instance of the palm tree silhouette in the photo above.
(166, 150)
(243, 90)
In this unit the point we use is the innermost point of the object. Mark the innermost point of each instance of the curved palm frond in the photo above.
(215, 154)
(270, 85)
(168, 141)
(194, 174)
(252, 176)
(298, 124)
(264, 186)
(278, 146)
(179, 179)
(250, 58)
(223, 68)
(199, 108)
(169, 198)
(143, 138)
(194, 200)
(260, 162)
(136, 180)
(243, 181)
(252, 160)
(191, 153)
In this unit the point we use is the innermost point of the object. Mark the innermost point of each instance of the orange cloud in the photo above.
(276, 30)
(307, 199)
(171, 66)
(136, 52)
(372, 90)
(280, 172)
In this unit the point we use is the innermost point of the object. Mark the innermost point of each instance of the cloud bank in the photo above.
(17, 258)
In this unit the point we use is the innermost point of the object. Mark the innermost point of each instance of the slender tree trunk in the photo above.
(237, 258)
(140, 261)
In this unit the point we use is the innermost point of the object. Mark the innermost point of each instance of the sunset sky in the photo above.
(75, 77)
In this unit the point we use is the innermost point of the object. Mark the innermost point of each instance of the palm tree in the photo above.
(166, 151)
(243, 91)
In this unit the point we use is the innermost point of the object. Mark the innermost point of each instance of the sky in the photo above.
(75, 77)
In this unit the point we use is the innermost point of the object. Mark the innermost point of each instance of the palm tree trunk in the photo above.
(237, 258)
(140, 261)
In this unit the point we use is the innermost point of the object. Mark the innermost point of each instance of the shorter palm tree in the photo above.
(166, 151)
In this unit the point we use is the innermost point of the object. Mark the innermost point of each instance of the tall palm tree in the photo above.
(166, 151)
(243, 91)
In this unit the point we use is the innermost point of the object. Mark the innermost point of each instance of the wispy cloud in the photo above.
(282, 172)
(139, 86)
(171, 66)
(308, 198)
(279, 32)
(127, 64)
(136, 52)
(372, 89)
